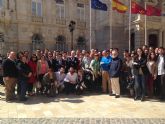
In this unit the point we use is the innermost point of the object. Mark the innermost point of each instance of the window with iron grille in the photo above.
(1, 37)
(61, 43)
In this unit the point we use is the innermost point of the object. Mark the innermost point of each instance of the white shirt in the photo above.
(86, 61)
(71, 78)
(60, 77)
(161, 62)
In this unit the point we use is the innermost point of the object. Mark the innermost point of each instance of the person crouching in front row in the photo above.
(70, 81)
(60, 75)
(50, 83)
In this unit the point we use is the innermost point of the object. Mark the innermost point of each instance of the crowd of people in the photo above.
(139, 74)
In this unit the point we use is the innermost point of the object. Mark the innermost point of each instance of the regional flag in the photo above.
(153, 11)
(96, 4)
(118, 6)
(137, 9)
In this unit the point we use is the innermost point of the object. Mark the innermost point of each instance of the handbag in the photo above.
(140, 71)
(38, 84)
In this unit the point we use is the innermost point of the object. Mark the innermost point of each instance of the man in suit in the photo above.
(72, 61)
(52, 62)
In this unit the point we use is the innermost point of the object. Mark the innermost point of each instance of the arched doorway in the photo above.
(37, 42)
(61, 43)
(153, 40)
(81, 43)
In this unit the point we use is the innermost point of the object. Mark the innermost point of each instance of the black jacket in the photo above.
(24, 70)
(72, 62)
(60, 63)
(140, 64)
(9, 68)
(52, 64)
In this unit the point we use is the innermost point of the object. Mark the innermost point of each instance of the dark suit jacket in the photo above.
(140, 64)
(52, 64)
(72, 62)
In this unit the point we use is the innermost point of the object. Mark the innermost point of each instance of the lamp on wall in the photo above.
(71, 27)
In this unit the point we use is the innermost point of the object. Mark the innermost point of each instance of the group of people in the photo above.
(139, 73)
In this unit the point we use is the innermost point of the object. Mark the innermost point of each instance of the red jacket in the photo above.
(33, 67)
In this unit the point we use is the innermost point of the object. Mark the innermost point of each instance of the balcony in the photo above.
(61, 21)
(154, 18)
(37, 19)
(81, 24)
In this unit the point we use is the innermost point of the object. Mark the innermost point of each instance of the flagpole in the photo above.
(130, 16)
(110, 37)
(145, 19)
(90, 25)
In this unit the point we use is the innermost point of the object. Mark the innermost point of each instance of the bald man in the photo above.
(10, 75)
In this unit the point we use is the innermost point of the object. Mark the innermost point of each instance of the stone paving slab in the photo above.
(84, 109)
(82, 121)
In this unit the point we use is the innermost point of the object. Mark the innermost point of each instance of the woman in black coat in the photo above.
(24, 74)
(141, 72)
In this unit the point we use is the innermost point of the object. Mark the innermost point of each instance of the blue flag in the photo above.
(96, 4)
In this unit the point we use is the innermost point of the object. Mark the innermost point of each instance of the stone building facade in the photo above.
(39, 24)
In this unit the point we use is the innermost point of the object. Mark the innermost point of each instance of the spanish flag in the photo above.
(118, 6)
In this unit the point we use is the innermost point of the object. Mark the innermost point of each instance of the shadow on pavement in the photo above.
(73, 100)
(2, 94)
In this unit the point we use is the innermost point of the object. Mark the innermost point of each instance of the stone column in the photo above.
(160, 38)
(163, 38)
(139, 38)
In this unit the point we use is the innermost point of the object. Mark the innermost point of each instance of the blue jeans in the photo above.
(140, 85)
(22, 88)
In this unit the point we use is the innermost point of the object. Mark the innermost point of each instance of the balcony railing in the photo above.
(81, 24)
(61, 21)
(37, 19)
(154, 19)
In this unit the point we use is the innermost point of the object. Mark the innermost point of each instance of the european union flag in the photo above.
(96, 4)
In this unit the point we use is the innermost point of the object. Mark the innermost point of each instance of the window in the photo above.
(37, 38)
(1, 4)
(37, 8)
(80, 12)
(60, 9)
(81, 43)
(1, 37)
(61, 43)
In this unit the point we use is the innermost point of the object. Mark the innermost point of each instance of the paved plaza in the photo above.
(86, 109)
